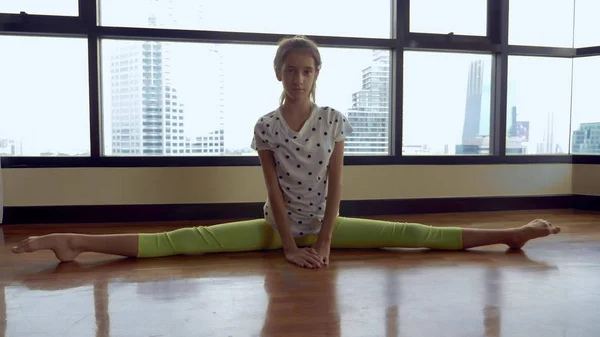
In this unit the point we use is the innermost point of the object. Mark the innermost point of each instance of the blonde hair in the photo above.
(287, 45)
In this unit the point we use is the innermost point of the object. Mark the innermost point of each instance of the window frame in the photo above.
(402, 39)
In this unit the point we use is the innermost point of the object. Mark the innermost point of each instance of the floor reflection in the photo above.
(3, 317)
(385, 296)
(492, 305)
(301, 302)
(101, 313)
(392, 313)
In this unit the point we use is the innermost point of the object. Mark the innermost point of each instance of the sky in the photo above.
(45, 102)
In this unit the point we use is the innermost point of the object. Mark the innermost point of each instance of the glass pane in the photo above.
(587, 24)
(40, 7)
(201, 99)
(541, 23)
(44, 97)
(446, 103)
(539, 105)
(585, 124)
(311, 17)
(466, 17)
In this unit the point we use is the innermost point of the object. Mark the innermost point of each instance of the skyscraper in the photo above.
(148, 117)
(586, 140)
(211, 107)
(547, 145)
(11, 147)
(370, 112)
(475, 125)
(511, 121)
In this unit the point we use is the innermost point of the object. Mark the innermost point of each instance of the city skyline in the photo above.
(434, 88)
(349, 111)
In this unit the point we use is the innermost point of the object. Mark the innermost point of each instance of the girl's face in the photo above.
(298, 75)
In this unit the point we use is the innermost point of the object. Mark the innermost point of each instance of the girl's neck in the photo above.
(297, 109)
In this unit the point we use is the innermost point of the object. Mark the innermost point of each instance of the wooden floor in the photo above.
(550, 288)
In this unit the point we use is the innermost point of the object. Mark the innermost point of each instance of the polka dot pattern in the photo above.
(301, 157)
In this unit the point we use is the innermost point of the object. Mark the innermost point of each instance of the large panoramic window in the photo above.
(309, 17)
(446, 104)
(538, 105)
(44, 97)
(196, 99)
(179, 78)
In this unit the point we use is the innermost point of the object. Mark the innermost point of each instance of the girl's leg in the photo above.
(67, 246)
(239, 236)
(513, 237)
(227, 237)
(368, 233)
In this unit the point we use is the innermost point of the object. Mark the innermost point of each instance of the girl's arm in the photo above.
(306, 257)
(276, 199)
(334, 195)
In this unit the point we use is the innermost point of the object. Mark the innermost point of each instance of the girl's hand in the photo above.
(322, 250)
(303, 257)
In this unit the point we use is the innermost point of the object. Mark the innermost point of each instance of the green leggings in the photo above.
(256, 234)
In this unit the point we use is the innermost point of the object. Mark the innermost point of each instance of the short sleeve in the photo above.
(262, 136)
(342, 126)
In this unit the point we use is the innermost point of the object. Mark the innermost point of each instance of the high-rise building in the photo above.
(477, 123)
(511, 121)
(212, 106)
(586, 140)
(11, 147)
(547, 145)
(370, 111)
(148, 117)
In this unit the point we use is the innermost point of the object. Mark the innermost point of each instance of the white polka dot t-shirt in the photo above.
(301, 163)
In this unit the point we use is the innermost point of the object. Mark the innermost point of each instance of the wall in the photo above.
(119, 186)
(586, 179)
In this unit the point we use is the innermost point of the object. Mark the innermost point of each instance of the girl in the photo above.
(301, 148)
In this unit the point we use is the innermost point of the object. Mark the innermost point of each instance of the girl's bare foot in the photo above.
(534, 229)
(63, 245)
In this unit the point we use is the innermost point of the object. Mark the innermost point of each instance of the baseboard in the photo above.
(586, 202)
(187, 212)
